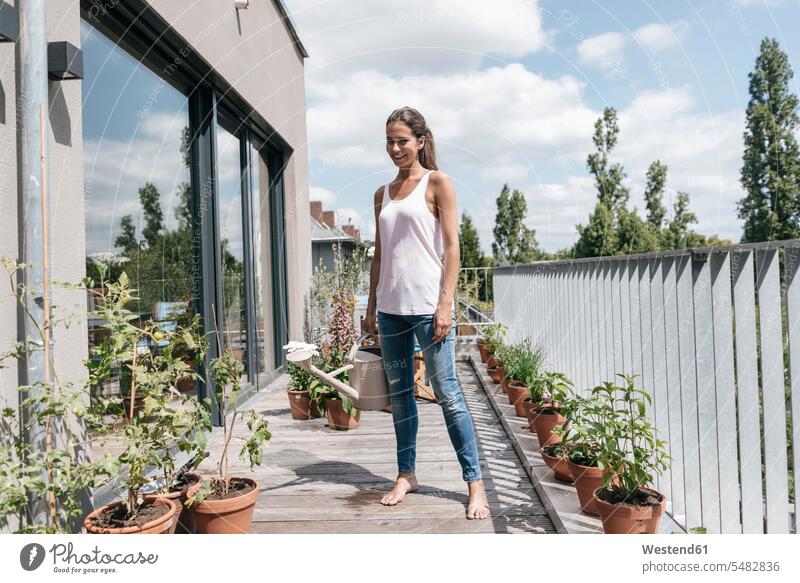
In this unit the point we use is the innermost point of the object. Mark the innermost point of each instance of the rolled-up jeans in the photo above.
(397, 346)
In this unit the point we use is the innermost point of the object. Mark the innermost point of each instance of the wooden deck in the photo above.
(315, 480)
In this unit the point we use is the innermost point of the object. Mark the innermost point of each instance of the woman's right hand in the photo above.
(369, 324)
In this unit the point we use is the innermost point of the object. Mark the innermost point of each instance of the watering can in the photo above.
(368, 389)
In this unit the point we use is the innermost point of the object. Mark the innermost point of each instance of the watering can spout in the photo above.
(368, 389)
(303, 358)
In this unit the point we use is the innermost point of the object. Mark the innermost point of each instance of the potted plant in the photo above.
(490, 338)
(586, 423)
(522, 364)
(225, 504)
(340, 411)
(555, 389)
(556, 456)
(54, 476)
(301, 385)
(169, 419)
(633, 455)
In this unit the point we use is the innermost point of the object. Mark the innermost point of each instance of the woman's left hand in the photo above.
(442, 323)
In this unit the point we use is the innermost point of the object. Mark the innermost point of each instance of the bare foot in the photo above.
(478, 507)
(404, 484)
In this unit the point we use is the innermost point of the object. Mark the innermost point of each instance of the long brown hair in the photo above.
(415, 120)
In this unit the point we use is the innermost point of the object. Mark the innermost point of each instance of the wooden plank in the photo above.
(529, 524)
(317, 480)
(721, 296)
(792, 286)
(706, 396)
(772, 390)
(743, 275)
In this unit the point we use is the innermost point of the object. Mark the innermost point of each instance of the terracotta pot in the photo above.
(313, 409)
(184, 523)
(229, 516)
(494, 374)
(629, 519)
(560, 467)
(164, 524)
(299, 403)
(531, 413)
(484, 351)
(338, 418)
(185, 385)
(491, 361)
(138, 405)
(544, 423)
(587, 479)
(517, 393)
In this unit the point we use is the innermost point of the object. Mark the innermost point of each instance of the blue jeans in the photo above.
(397, 346)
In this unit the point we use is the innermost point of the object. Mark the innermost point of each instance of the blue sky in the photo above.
(511, 95)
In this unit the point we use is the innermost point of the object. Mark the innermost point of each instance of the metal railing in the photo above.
(714, 335)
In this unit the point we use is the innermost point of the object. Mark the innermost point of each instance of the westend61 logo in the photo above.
(66, 560)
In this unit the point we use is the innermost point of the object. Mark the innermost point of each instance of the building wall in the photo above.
(8, 212)
(253, 51)
(65, 202)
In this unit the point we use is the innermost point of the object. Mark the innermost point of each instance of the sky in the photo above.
(512, 93)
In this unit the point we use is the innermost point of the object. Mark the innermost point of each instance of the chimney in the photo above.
(328, 219)
(352, 231)
(316, 210)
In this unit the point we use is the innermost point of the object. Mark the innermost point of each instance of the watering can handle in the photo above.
(351, 355)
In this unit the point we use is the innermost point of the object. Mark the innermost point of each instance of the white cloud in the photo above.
(321, 194)
(413, 36)
(658, 36)
(762, 3)
(489, 120)
(604, 51)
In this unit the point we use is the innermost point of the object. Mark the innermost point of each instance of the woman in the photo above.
(416, 221)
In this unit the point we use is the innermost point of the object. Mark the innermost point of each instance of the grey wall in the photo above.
(253, 52)
(65, 202)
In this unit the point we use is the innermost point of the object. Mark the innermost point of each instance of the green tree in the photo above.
(513, 241)
(634, 234)
(608, 177)
(126, 240)
(599, 236)
(471, 254)
(149, 197)
(677, 235)
(770, 171)
(654, 195)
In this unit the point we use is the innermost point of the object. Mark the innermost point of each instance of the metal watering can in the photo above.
(368, 389)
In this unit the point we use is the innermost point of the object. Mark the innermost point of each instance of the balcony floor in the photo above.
(315, 480)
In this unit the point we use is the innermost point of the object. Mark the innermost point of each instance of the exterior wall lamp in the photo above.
(9, 25)
(64, 61)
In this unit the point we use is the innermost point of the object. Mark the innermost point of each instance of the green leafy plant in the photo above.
(629, 446)
(226, 372)
(55, 473)
(493, 335)
(551, 390)
(523, 362)
(154, 360)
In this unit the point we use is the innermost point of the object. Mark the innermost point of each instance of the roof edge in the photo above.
(290, 27)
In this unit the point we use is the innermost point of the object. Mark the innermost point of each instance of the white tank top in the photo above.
(412, 273)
